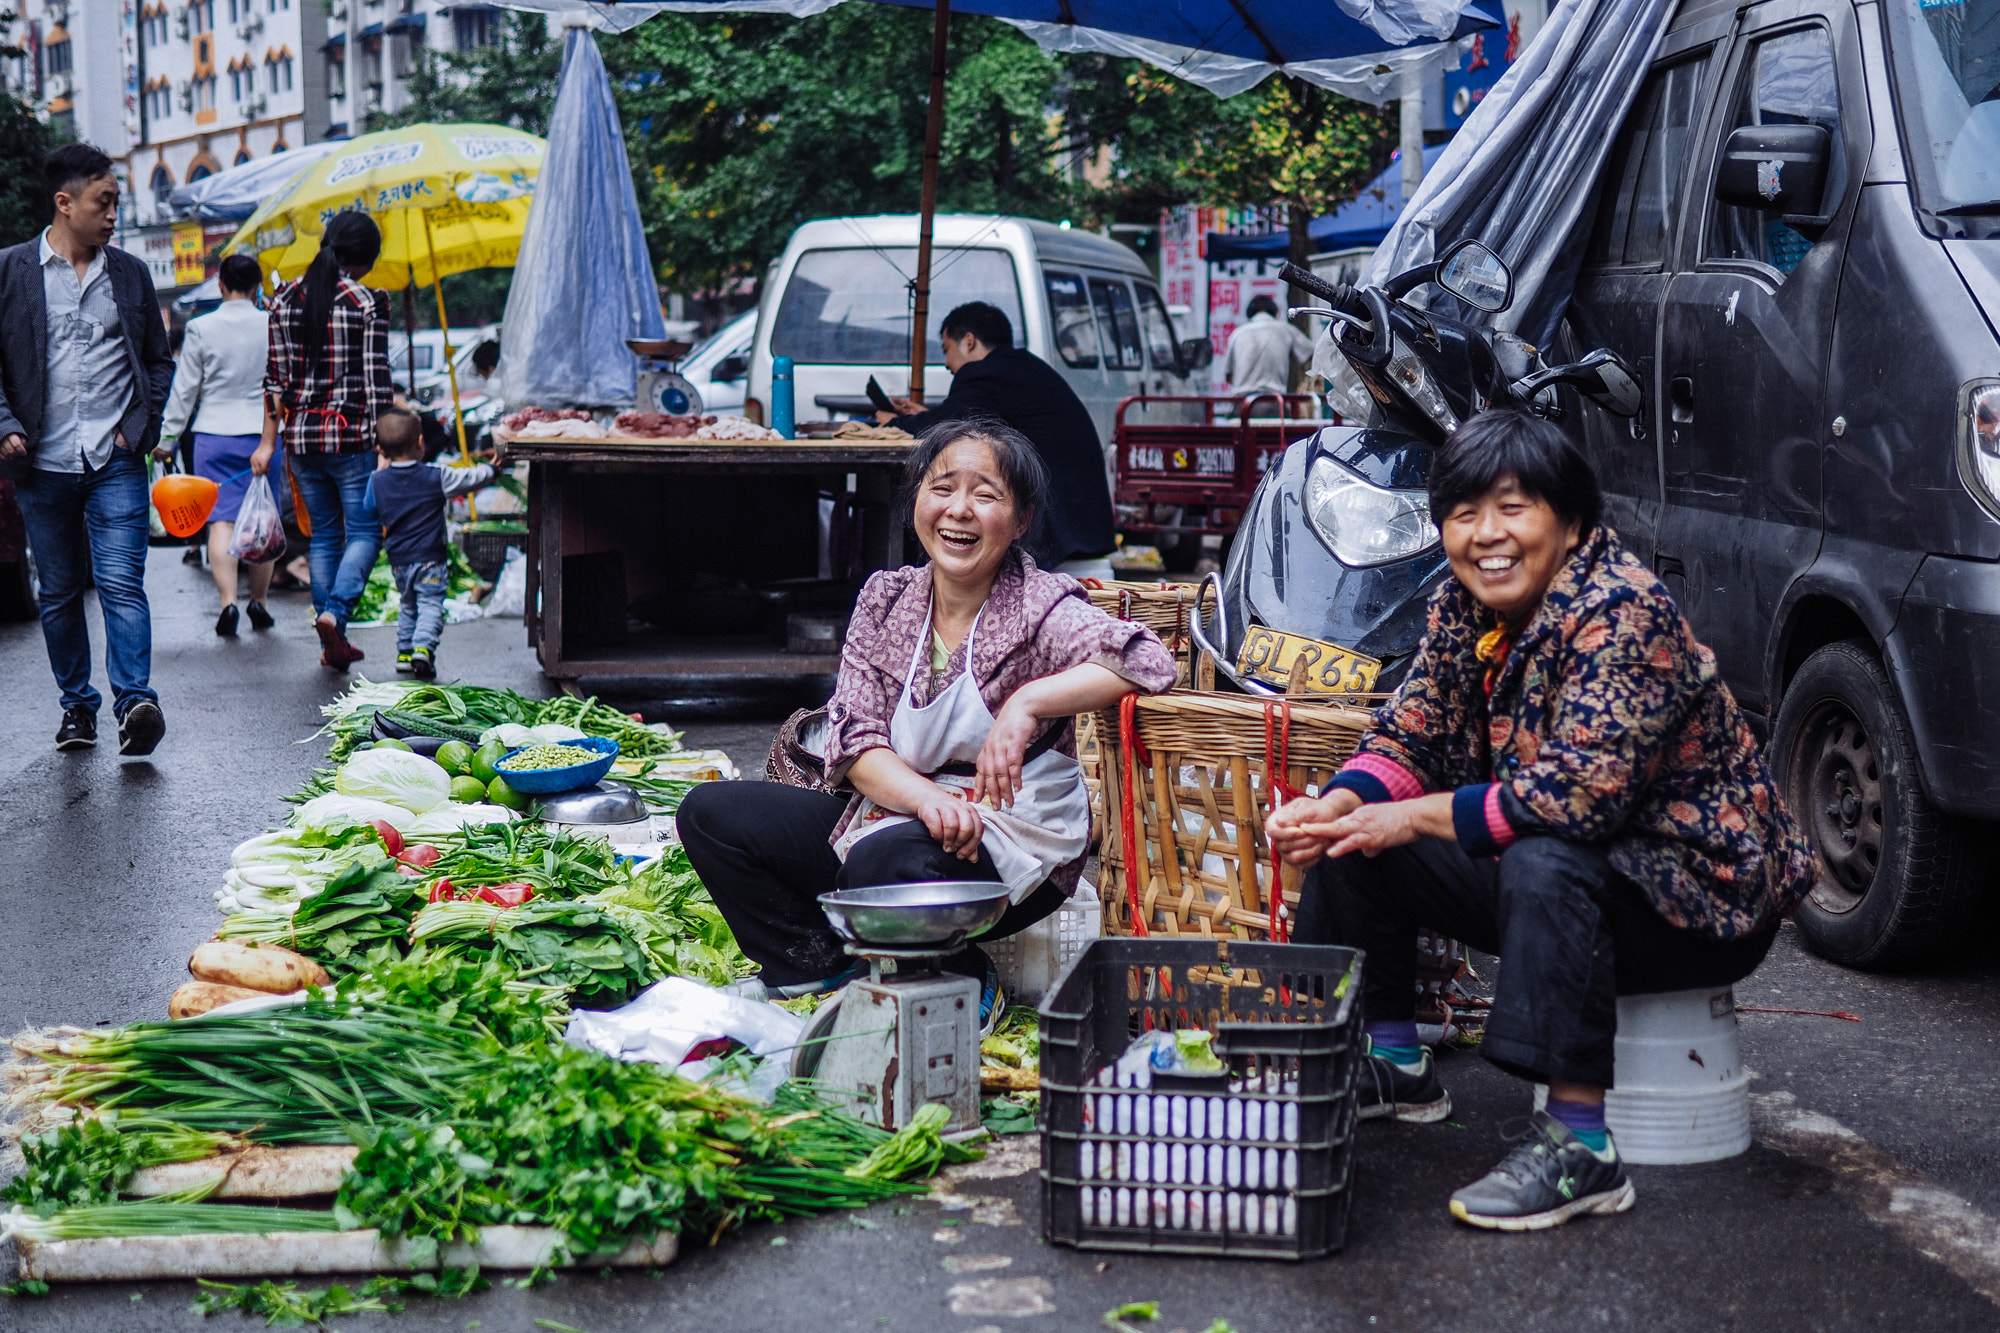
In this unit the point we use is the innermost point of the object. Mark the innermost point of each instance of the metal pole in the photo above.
(410, 331)
(444, 326)
(920, 305)
(1412, 127)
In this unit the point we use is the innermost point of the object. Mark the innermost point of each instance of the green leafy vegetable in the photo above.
(284, 1305)
(87, 1161)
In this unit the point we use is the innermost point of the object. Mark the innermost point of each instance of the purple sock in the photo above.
(1400, 1034)
(1583, 1119)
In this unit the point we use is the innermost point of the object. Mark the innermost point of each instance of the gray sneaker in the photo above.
(1384, 1089)
(1550, 1177)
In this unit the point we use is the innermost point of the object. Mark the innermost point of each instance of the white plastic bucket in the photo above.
(1681, 1093)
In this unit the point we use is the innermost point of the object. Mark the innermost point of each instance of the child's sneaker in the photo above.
(403, 667)
(421, 665)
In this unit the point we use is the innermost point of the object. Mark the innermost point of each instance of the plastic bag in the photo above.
(395, 776)
(260, 529)
(510, 590)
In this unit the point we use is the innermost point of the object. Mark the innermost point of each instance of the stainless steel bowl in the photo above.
(603, 803)
(906, 916)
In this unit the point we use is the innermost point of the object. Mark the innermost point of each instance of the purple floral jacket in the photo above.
(1035, 624)
(1607, 724)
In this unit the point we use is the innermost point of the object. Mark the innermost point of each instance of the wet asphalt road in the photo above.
(1883, 1221)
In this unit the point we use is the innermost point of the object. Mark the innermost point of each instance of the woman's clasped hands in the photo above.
(1309, 828)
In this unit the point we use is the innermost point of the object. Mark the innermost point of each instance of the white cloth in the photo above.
(90, 380)
(1262, 353)
(1048, 824)
(219, 383)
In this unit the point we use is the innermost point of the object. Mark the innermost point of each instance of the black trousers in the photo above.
(762, 850)
(1572, 934)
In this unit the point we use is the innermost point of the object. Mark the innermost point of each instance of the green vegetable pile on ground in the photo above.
(379, 601)
(284, 1305)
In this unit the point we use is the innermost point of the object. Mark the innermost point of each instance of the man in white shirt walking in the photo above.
(84, 370)
(1263, 352)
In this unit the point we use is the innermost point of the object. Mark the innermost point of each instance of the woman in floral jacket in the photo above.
(1564, 780)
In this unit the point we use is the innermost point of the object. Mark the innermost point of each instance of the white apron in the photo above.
(1048, 824)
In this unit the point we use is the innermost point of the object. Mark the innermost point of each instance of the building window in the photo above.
(163, 185)
(65, 122)
(403, 57)
(57, 55)
(199, 172)
(285, 68)
(473, 28)
(242, 156)
(234, 17)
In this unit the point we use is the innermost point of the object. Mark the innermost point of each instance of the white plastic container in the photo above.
(1030, 962)
(1682, 1095)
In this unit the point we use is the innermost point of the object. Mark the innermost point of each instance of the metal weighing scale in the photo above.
(662, 387)
(909, 1034)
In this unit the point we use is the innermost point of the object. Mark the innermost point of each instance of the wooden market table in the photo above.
(691, 522)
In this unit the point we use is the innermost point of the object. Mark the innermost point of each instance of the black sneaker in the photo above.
(421, 664)
(402, 664)
(1550, 1177)
(225, 624)
(141, 728)
(1384, 1089)
(259, 617)
(78, 730)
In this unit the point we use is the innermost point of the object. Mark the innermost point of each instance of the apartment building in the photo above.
(177, 90)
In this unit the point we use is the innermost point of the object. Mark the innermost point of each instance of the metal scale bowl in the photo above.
(661, 386)
(909, 1034)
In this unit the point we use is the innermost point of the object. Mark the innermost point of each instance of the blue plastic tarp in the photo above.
(1362, 220)
(232, 195)
(583, 284)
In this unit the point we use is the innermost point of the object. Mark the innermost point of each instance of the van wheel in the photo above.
(1897, 878)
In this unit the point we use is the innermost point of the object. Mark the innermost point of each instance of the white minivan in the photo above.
(838, 303)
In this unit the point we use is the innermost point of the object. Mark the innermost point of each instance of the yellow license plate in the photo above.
(1323, 668)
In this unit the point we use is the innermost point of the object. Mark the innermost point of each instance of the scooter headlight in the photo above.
(1979, 441)
(1366, 524)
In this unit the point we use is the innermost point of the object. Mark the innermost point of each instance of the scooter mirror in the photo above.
(1476, 276)
(1617, 390)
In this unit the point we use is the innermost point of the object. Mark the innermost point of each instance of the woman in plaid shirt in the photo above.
(326, 382)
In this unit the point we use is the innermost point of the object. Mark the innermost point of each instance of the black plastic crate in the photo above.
(1126, 1168)
(486, 550)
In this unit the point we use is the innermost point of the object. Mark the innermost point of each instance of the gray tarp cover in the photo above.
(584, 281)
(1519, 175)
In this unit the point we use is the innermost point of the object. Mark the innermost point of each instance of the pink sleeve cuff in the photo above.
(1399, 782)
(1496, 822)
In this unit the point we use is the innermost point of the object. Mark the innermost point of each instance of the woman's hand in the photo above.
(1298, 828)
(998, 767)
(260, 458)
(1374, 829)
(955, 823)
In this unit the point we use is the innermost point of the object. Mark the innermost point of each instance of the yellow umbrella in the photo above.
(448, 198)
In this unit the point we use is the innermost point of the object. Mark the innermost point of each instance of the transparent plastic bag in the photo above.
(260, 529)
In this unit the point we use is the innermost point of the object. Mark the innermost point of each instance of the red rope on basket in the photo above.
(1131, 753)
(1277, 791)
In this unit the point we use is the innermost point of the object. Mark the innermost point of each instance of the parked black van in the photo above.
(1796, 247)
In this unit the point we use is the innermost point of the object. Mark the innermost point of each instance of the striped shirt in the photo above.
(330, 408)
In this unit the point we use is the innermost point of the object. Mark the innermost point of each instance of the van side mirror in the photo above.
(1603, 377)
(1196, 354)
(730, 368)
(1777, 169)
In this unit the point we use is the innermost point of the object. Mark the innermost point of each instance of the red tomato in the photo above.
(422, 856)
(392, 841)
(442, 892)
(506, 895)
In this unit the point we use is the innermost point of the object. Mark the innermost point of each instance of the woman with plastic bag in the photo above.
(219, 388)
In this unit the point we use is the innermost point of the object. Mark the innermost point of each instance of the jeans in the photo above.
(83, 525)
(762, 850)
(420, 623)
(345, 535)
(1572, 934)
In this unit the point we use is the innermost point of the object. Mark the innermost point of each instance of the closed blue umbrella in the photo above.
(583, 283)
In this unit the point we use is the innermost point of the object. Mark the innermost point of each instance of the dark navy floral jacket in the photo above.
(1607, 724)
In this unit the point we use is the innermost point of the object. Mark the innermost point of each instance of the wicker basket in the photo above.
(1198, 806)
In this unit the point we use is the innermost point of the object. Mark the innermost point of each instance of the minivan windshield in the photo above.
(1948, 91)
(852, 307)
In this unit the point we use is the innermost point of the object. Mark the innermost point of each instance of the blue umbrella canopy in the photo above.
(583, 284)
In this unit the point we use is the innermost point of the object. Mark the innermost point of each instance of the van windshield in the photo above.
(1948, 91)
(852, 307)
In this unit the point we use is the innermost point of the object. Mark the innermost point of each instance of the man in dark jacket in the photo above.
(993, 378)
(84, 375)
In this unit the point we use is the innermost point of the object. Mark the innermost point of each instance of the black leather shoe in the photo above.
(141, 728)
(225, 624)
(259, 617)
(78, 730)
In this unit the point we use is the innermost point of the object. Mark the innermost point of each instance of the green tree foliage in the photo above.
(24, 142)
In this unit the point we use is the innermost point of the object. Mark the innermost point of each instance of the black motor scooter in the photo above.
(1337, 556)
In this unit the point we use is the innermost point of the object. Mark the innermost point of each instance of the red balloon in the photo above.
(184, 502)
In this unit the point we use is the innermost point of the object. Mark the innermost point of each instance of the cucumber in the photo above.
(395, 720)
